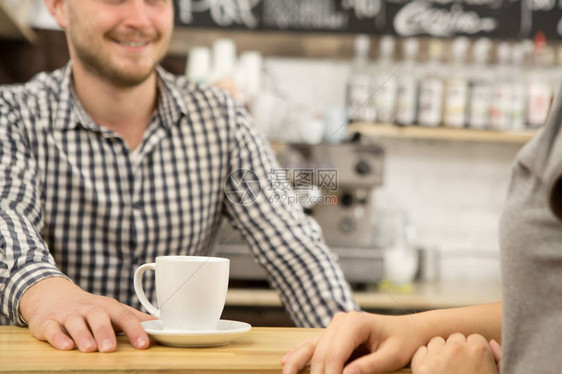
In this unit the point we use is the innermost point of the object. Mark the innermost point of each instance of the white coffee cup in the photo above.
(191, 291)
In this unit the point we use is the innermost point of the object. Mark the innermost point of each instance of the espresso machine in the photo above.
(337, 189)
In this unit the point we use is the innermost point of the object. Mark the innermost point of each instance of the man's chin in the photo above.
(130, 80)
(127, 77)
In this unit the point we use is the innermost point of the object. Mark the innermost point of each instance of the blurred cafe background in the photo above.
(418, 106)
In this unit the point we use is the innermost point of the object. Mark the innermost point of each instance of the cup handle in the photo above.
(140, 292)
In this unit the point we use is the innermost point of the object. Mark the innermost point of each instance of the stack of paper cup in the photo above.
(224, 60)
(249, 74)
(198, 67)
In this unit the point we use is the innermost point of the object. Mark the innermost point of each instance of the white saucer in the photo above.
(226, 332)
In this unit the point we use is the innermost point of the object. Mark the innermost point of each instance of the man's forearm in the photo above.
(18, 281)
(485, 320)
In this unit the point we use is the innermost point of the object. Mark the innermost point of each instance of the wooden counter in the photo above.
(259, 351)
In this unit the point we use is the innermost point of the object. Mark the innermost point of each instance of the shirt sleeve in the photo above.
(286, 242)
(24, 256)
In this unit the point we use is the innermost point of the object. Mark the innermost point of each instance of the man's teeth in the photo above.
(133, 44)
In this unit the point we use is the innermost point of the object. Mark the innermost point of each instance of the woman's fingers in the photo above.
(346, 332)
(457, 338)
(297, 348)
(496, 350)
(419, 356)
(385, 359)
(435, 343)
(459, 354)
(298, 357)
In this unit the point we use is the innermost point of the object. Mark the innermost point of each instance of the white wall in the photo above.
(453, 193)
(40, 18)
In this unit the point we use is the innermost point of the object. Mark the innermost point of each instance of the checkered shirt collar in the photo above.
(171, 103)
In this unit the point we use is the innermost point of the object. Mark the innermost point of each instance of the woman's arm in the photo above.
(388, 342)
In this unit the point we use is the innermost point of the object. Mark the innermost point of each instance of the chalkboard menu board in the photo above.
(510, 19)
(547, 17)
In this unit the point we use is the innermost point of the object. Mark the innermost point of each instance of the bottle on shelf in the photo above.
(481, 85)
(430, 102)
(407, 84)
(384, 81)
(557, 72)
(502, 89)
(539, 89)
(456, 85)
(518, 88)
(358, 93)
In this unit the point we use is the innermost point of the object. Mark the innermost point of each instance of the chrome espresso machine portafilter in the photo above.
(335, 184)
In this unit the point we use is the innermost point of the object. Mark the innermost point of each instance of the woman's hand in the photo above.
(386, 343)
(459, 355)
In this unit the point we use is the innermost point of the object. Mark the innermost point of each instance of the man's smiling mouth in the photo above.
(132, 44)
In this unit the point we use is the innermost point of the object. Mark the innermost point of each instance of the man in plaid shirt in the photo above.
(111, 161)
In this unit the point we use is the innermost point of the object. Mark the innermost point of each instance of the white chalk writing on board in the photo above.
(309, 14)
(444, 18)
(223, 12)
(363, 8)
(541, 4)
(486, 3)
(419, 17)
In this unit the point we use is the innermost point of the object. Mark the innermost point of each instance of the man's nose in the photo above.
(137, 14)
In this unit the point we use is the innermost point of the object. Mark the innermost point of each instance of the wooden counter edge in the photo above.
(23, 337)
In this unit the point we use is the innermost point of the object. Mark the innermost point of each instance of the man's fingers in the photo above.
(140, 315)
(67, 317)
(101, 327)
(77, 328)
(299, 356)
(130, 325)
(53, 333)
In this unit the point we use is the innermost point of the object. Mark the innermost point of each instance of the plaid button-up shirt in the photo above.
(76, 202)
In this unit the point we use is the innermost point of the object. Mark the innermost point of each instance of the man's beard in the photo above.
(101, 65)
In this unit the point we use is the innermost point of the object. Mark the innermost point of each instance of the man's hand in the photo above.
(64, 315)
(387, 342)
(459, 355)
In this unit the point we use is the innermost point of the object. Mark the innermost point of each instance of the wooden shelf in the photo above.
(423, 296)
(11, 27)
(268, 43)
(441, 133)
